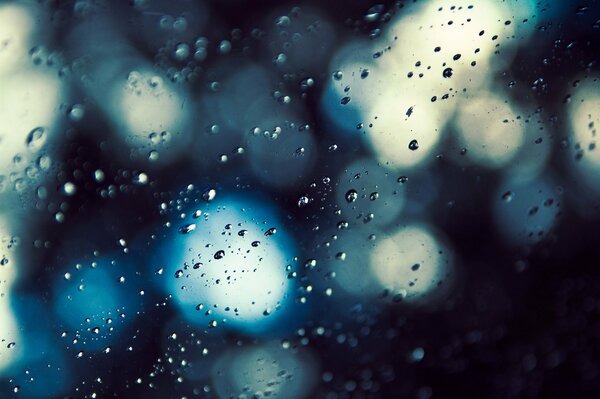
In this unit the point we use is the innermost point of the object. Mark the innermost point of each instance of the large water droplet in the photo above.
(351, 195)
(36, 138)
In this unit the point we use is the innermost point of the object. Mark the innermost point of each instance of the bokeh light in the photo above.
(228, 266)
(96, 301)
(412, 263)
(490, 130)
(526, 210)
(265, 370)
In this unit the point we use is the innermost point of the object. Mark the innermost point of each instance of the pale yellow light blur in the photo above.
(411, 262)
(489, 129)
(584, 118)
(403, 109)
(17, 28)
(11, 346)
(28, 100)
(147, 104)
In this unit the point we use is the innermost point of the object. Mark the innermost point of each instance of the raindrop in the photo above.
(209, 195)
(187, 228)
(36, 138)
(507, 196)
(76, 113)
(219, 254)
(153, 155)
(178, 273)
(413, 145)
(415, 267)
(69, 188)
(338, 75)
(447, 72)
(351, 195)
(303, 201)
(270, 232)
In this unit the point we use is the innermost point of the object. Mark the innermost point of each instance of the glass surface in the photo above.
(318, 199)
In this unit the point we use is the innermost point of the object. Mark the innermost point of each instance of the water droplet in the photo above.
(345, 100)
(3, 261)
(187, 228)
(36, 138)
(303, 201)
(209, 195)
(76, 113)
(270, 232)
(69, 188)
(178, 273)
(11, 345)
(338, 75)
(219, 254)
(255, 243)
(351, 195)
(99, 175)
(415, 267)
(340, 256)
(413, 145)
(212, 324)
(447, 72)
(402, 179)
(182, 51)
(153, 155)
(373, 13)
(242, 233)
(507, 196)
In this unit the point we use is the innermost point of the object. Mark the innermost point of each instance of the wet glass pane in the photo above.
(334, 199)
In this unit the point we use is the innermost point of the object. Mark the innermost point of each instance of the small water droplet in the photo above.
(69, 188)
(187, 228)
(209, 195)
(303, 201)
(270, 232)
(178, 273)
(36, 138)
(507, 196)
(76, 113)
(219, 254)
(413, 145)
(351, 195)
